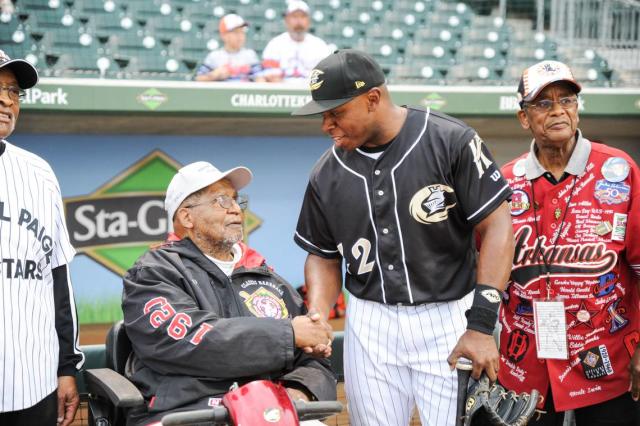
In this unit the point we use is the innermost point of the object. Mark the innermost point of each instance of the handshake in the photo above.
(313, 334)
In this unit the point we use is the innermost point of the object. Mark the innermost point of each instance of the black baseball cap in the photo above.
(25, 73)
(340, 77)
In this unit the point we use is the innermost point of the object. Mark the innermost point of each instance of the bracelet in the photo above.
(483, 314)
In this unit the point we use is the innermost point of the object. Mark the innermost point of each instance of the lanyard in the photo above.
(555, 242)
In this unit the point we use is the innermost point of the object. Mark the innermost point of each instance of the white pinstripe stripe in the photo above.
(391, 350)
(395, 202)
(373, 224)
(28, 342)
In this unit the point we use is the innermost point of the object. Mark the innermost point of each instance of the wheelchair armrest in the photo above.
(108, 384)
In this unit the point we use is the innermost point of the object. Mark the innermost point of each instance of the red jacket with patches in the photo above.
(592, 269)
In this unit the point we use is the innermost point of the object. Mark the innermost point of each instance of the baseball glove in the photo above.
(497, 406)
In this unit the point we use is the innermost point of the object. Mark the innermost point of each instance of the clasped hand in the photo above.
(313, 334)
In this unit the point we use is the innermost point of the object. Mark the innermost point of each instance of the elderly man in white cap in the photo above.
(198, 322)
(570, 319)
(292, 55)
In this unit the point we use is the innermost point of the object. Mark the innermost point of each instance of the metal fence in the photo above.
(610, 26)
(600, 38)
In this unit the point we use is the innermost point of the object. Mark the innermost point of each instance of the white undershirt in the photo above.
(227, 266)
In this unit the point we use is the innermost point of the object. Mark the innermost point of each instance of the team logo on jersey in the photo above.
(611, 192)
(479, 159)
(582, 316)
(518, 345)
(431, 204)
(519, 202)
(264, 304)
(565, 260)
(595, 362)
(314, 80)
(118, 222)
(606, 284)
(616, 318)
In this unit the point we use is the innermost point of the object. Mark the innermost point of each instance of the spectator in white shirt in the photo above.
(292, 55)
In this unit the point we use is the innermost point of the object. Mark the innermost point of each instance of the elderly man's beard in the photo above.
(218, 248)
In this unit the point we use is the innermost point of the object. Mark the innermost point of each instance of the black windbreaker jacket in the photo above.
(195, 331)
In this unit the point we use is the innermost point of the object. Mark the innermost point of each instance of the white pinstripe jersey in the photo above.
(33, 241)
(404, 221)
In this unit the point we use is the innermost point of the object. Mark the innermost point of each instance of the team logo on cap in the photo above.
(431, 204)
(314, 80)
(548, 68)
(360, 84)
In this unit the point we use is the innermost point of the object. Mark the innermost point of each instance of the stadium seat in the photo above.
(343, 36)
(474, 73)
(416, 73)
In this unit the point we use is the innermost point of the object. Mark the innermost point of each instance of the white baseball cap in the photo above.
(535, 78)
(230, 22)
(196, 176)
(295, 5)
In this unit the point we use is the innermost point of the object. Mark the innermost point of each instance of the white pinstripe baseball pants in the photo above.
(396, 357)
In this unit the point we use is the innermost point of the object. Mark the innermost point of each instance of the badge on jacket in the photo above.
(264, 304)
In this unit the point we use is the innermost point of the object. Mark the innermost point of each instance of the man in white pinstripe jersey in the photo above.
(39, 353)
(399, 197)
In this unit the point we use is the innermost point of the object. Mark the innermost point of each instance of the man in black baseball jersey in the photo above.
(400, 197)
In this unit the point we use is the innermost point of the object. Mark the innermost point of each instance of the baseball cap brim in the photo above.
(24, 72)
(238, 176)
(318, 107)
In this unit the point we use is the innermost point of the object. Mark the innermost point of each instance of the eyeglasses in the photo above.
(224, 201)
(14, 93)
(546, 105)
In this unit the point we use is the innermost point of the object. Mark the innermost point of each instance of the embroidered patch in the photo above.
(595, 362)
(518, 345)
(519, 202)
(611, 192)
(431, 204)
(603, 228)
(606, 284)
(619, 227)
(616, 318)
(264, 304)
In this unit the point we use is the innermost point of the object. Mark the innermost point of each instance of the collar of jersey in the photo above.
(576, 165)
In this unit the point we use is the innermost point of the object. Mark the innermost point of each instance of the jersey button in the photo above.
(385, 231)
(390, 267)
(381, 192)
(553, 226)
(554, 201)
(377, 172)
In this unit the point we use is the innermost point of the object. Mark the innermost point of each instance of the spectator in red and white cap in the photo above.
(292, 55)
(233, 61)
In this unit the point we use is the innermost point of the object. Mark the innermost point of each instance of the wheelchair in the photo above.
(112, 395)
